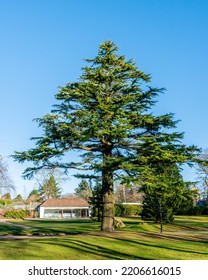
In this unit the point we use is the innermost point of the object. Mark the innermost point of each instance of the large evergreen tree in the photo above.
(107, 116)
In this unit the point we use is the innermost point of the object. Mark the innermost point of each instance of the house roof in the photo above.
(65, 202)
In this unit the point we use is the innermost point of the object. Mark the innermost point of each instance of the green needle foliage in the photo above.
(83, 190)
(106, 115)
(164, 191)
(49, 189)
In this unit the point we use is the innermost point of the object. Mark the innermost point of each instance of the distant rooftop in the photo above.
(65, 202)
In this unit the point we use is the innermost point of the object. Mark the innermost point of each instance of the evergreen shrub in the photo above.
(127, 210)
(15, 214)
(4, 202)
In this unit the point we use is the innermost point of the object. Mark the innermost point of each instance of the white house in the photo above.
(64, 208)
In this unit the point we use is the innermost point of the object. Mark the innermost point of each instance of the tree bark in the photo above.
(161, 218)
(108, 201)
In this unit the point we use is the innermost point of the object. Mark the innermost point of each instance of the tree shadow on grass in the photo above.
(114, 247)
(162, 246)
(56, 227)
(97, 251)
(106, 251)
(186, 237)
(6, 229)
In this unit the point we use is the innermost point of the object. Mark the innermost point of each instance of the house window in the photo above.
(67, 213)
(76, 213)
(52, 213)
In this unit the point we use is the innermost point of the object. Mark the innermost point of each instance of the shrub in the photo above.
(193, 211)
(119, 210)
(199, 210)
(15, 214)
(5, 202)
(205, 210)
(127, 210)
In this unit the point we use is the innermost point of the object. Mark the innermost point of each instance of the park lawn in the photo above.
(180, 224)
(49, 227)
(186, 239)
(75, 226)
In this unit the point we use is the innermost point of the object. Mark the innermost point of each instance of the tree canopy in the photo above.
(106, 116)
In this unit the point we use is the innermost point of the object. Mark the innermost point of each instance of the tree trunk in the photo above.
(161, 218)
(98, 214)
(108, 201)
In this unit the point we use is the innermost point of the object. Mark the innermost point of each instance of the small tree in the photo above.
(6, 196)
(6, 199)
(186, 207)
(96, 201)
(83, 190)
(33, 195)
(49, 189)
(18, 198)
(163, 194)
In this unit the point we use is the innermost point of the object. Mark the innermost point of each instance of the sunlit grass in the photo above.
(181, 223)
(186, 239)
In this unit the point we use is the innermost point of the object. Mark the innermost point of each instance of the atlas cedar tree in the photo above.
(105, 114)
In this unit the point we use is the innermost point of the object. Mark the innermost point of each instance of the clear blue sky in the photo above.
(44, 42)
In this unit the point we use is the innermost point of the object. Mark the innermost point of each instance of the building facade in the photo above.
(64, 208)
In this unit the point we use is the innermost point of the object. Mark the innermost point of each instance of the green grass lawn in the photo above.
(185, 239)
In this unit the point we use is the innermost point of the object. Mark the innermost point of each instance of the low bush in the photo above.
(15, 214)
(193, 211)
(5, 202)
(127, 210)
